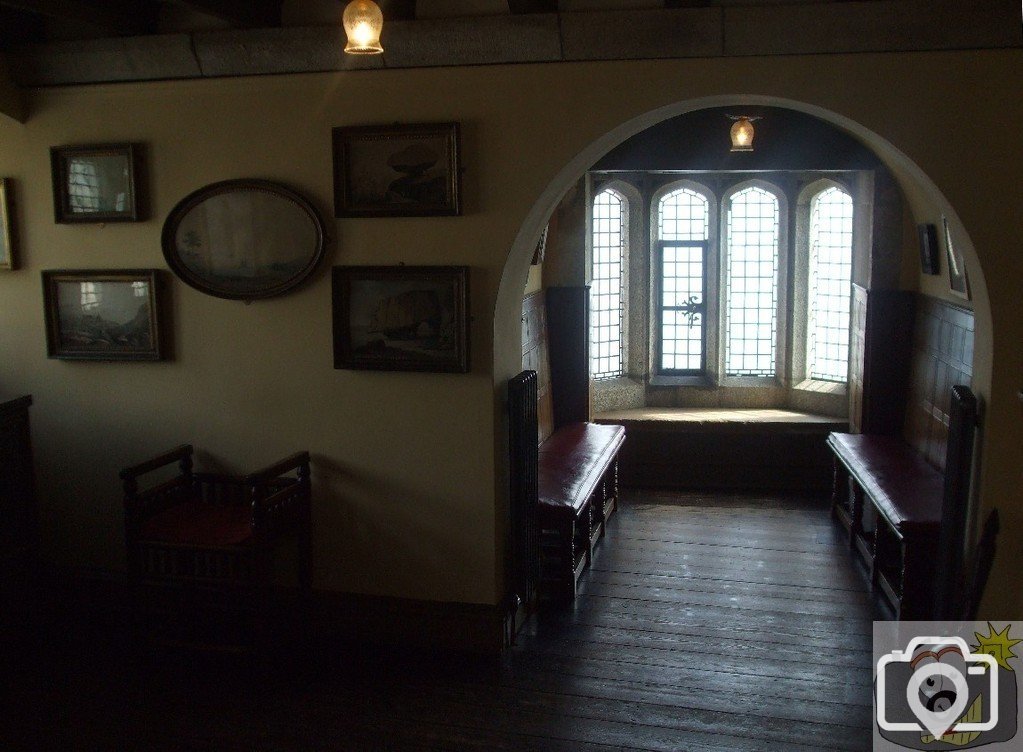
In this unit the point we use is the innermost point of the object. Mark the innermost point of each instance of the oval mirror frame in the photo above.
(278, 278)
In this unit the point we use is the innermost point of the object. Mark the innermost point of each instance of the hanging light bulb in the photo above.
(363, 21)
(742, 132)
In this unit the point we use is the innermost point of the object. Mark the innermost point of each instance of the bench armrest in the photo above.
(178, 454)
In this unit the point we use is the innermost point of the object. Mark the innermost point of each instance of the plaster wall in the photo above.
(409, 469)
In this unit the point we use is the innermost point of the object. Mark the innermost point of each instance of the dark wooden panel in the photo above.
(536, 357)
(879, 359)
(568, 340)
(942, 357)
(731, 457)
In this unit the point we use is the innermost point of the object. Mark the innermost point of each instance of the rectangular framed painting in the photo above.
(928, 235)
(8, 259)
(103, 314)
(401, 318)
(95, 183)
(958, 281)
(397, 170)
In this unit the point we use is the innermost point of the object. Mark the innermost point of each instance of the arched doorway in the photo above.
(921, 195)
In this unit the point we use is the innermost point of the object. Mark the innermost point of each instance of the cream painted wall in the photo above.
(410, 470)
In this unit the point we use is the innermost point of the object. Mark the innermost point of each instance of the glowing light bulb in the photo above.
(742, 134)
(363, 22)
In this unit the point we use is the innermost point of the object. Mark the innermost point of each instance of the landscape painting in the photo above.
(102, 315)
(243, 239)
(401, 318)
(397, 171)
(95, 183)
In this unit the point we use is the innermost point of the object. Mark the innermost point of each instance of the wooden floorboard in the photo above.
(706, 623)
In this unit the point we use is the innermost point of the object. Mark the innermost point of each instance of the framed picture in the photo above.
(243, 239)
(928, 248)
(8, 259)
(103, 314)
(95, 183)
(397, 170)
(401, 318)
(958, 281)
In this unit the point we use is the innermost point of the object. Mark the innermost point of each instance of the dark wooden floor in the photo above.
(730, 624)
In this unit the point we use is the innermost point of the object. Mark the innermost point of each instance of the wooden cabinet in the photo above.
(18, 511)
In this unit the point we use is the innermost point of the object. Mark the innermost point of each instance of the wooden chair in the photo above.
(201, 547)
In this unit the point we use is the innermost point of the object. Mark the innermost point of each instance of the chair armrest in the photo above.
(174, 455)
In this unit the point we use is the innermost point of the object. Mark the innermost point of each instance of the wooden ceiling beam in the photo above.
(533, 6)
(397, 10)
(240, 13)
(117, 18)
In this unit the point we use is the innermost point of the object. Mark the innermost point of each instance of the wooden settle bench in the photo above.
(563, 466)
(902, 479)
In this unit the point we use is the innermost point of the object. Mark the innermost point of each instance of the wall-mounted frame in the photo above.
(397, 170)
(103, 314)
(401, 318)
(243, 239)
(8, 253)
(96, 183)
(958, 281)
(929, 255)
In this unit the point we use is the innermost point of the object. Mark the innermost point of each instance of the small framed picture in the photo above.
(928, 248)
(95, 183)
(8, 258)
(401, 318)
(958, 281)
(97, 314)
(397, 170)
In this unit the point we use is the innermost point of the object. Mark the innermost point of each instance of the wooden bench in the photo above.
(903, 495)
(574, 462)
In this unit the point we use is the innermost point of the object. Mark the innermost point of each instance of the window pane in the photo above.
(682, 307)
(683, 215)
(751, 287)
(830, 285)
(606, 285)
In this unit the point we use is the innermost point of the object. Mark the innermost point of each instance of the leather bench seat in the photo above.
(573, 460)
(901, 484)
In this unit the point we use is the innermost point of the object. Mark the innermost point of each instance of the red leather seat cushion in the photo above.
(573, 460)
(903, 486)
(197, 523)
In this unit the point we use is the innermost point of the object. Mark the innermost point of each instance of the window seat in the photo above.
(725, 449)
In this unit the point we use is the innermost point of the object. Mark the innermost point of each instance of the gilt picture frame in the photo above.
(96, 183)
(401, 318)
(410, 170)
(8, 253)
(104, 314)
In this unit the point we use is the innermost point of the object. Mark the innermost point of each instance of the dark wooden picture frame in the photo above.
(958, 280)
(91, 314)
(397, 170)
(8, 236)
(401, 318)
(96, 183)
(243, 239)
(929, 255)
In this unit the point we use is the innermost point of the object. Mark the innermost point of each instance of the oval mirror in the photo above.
(243, 239)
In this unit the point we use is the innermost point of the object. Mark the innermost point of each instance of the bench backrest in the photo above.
(942, 357)
(535, 357)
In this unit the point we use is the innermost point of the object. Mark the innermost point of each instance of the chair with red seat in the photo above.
(209, 541)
